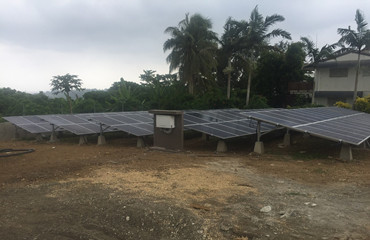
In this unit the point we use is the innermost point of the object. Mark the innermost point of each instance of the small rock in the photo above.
(225, 226)
(266, 209)
(127, 218)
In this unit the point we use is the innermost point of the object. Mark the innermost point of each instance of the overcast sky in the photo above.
(104, 40)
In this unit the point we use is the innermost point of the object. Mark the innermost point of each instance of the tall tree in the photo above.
(193, 46)
(256, 38)
(230, 44)
(317, 55)
(356, 41)
(65, 84)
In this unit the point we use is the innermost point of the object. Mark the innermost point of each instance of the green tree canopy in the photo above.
(65, 84)
(193, 45)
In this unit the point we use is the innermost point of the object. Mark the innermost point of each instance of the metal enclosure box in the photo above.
(168, 129)
(165, 121)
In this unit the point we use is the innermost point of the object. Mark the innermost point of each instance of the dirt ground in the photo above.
(118, 191)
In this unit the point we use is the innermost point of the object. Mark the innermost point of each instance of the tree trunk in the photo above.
(249, 86)
(191, 85)
(229, 79)
(356, 80)
(70, 103)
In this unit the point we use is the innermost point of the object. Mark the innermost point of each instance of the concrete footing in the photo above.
(140, 142)
(83, 140)
(101, 140)
(346, 152)
(286, 141)
(53, 137)
(221, 146)
(259, 148)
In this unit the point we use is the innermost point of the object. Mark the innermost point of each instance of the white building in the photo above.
(335, 79)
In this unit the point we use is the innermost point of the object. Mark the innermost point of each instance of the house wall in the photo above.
(323, 82)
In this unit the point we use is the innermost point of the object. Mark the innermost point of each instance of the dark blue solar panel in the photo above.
(225, 123)
(338, 124)
(32, 124)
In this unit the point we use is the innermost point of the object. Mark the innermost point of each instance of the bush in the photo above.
(363, 104)
(257, 102)
(343, 105)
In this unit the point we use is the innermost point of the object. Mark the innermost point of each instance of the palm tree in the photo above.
(317, 55)
(193, 46)
(256, 37)
(230, 45)
(356, 41)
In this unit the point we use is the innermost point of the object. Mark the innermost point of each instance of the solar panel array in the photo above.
(224, 124)
(32, 124)
(333, 123)
(338, 124)
(135, 123)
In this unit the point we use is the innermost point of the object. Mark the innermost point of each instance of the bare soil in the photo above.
(118, 191)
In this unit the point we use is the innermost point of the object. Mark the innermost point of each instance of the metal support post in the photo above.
(101, 138)
(258, 146)
(53, 136)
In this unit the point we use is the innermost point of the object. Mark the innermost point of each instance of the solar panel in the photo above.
(338, 124)
(32, 124)
(135, 123)
(224, 124)
(73, 124)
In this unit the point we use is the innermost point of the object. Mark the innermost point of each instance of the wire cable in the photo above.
(14, 152)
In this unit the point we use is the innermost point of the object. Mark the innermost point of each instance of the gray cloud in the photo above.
(110, 39)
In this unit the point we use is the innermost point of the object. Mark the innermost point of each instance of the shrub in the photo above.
(257, 102)
(363, 104)
(343, 105)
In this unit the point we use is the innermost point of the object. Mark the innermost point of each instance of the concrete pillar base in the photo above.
(346, 152)
(53, 138)
(101, 140)
(221, 146)
(140, 142)
(286, 141)
(259, 148)
(83, 140)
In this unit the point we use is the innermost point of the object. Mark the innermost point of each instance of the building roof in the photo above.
(334, 62)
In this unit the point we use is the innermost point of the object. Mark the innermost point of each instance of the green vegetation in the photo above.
(361, 104)
(65, 84)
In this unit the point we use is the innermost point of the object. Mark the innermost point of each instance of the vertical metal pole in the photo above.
(258, 131)
(101, 129)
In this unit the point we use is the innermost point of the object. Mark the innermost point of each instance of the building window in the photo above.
(366, 72)
(338, 72)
